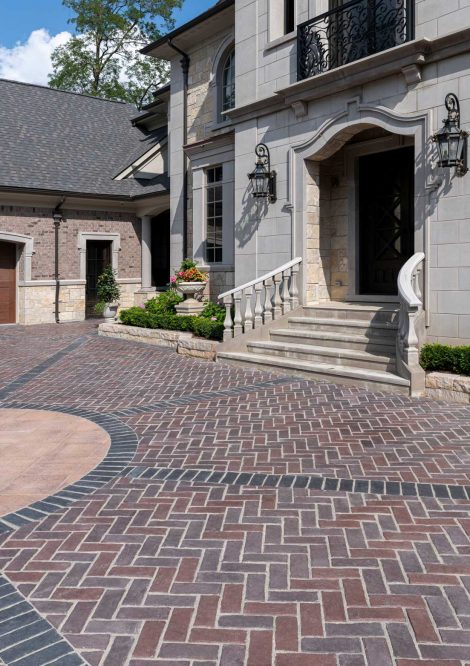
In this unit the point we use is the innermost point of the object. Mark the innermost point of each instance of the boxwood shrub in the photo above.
(147, 318)
(444, 358)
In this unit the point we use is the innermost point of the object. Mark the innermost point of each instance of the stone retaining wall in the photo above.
(185, 344)
(446, 386)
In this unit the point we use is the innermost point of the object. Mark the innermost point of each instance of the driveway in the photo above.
(238, 518)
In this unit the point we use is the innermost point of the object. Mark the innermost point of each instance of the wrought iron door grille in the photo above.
(350, 32)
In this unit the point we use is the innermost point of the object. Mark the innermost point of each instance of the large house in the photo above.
(311, 175)
(307, 178)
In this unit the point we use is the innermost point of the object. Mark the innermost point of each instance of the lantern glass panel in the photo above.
(454, 140)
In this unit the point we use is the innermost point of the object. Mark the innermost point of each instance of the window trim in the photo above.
(212, 186)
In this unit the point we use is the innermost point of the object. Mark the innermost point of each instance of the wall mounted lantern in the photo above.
(451, 140)
(263, 179)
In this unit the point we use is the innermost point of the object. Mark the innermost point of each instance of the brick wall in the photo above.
(37, 222)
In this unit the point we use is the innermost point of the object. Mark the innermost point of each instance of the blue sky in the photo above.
(18, 18)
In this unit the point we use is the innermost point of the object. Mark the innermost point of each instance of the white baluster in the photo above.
(258, 321)
(267, 313)
(228, 324)
(276, 300)
(238, 321)
(293, 291)
(248, 319)
(285, 301)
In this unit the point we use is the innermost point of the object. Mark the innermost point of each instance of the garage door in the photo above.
(7, 283)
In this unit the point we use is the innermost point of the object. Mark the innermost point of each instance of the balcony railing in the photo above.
(350, 32)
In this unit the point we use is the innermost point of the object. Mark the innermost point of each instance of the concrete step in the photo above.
(376, 344)
(320, 354)
(373, 380)
(370, 312)
(345, 326)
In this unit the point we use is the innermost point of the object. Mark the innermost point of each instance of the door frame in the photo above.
(84, 236)
(24, 246)
(352, 154)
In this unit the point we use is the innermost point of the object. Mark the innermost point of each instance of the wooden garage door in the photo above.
(7, 283)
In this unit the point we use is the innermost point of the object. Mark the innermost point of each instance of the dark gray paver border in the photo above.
(316, 482)
(122, 449)
(27, 638)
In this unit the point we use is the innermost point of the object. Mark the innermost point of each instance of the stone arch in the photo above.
(225, 47)
(325, 141)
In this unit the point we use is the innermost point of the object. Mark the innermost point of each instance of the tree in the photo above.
(103, 59)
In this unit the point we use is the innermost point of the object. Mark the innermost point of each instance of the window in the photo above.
(289, 16)
(214, 214)
(228, 83)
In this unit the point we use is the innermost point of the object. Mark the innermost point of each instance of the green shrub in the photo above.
(212, 310)
(203, 327)
(445, 358)
(107, 289)
(164, 303)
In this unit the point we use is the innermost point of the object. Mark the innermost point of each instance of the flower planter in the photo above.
(110, 312)
(190, 306)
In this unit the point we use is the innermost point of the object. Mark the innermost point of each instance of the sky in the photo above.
(31, 29)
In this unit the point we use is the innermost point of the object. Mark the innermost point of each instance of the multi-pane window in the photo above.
(289, 16)
(228, 83)
(214, 214)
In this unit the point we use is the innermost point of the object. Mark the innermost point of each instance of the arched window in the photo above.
(227, 88)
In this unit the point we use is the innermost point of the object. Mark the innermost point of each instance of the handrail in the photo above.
(266, 276)
(261, 300)
(405, 280)
(411, 330)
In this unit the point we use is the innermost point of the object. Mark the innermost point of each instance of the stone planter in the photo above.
(110, 311)
(190, 306)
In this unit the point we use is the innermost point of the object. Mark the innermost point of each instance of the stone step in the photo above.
(374, 344)
(370, 312)
(319, 354)
(373, 380)
(345, 326)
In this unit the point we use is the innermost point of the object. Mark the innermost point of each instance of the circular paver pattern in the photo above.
(42, 452)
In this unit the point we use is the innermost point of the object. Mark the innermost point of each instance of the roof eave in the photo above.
(151, 49)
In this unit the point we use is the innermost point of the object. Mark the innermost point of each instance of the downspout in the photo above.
(185, 61)
(58, 218)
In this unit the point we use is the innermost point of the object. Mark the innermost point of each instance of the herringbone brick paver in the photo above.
(243, 570)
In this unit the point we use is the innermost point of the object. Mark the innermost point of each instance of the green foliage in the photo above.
(445, 358)
(211, 310)
(107, 289)
(200, 326)
(205, 328)
(164, 303)
(103, 59)
(187, 263)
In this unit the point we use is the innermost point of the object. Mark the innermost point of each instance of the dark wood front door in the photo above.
(386, 218)
(161, 249)
(98, 256)
(7, 283)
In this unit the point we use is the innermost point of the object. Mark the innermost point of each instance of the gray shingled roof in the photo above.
(65, 142)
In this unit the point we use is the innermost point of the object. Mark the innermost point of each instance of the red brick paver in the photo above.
(144, 571)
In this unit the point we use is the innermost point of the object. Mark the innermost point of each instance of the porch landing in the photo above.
(341, 342)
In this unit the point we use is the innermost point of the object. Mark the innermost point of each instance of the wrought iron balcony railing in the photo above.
(352, 31)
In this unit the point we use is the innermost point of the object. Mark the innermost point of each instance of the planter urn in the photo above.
(190, 306)
(110, 312)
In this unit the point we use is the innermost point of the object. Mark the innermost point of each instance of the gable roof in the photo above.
(56, 141)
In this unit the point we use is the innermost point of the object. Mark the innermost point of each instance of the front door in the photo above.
(7, 283)
(98, 256)
(161, 249)
(386, 218)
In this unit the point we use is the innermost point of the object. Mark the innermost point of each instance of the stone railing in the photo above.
(411, 323)
(258, 302)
